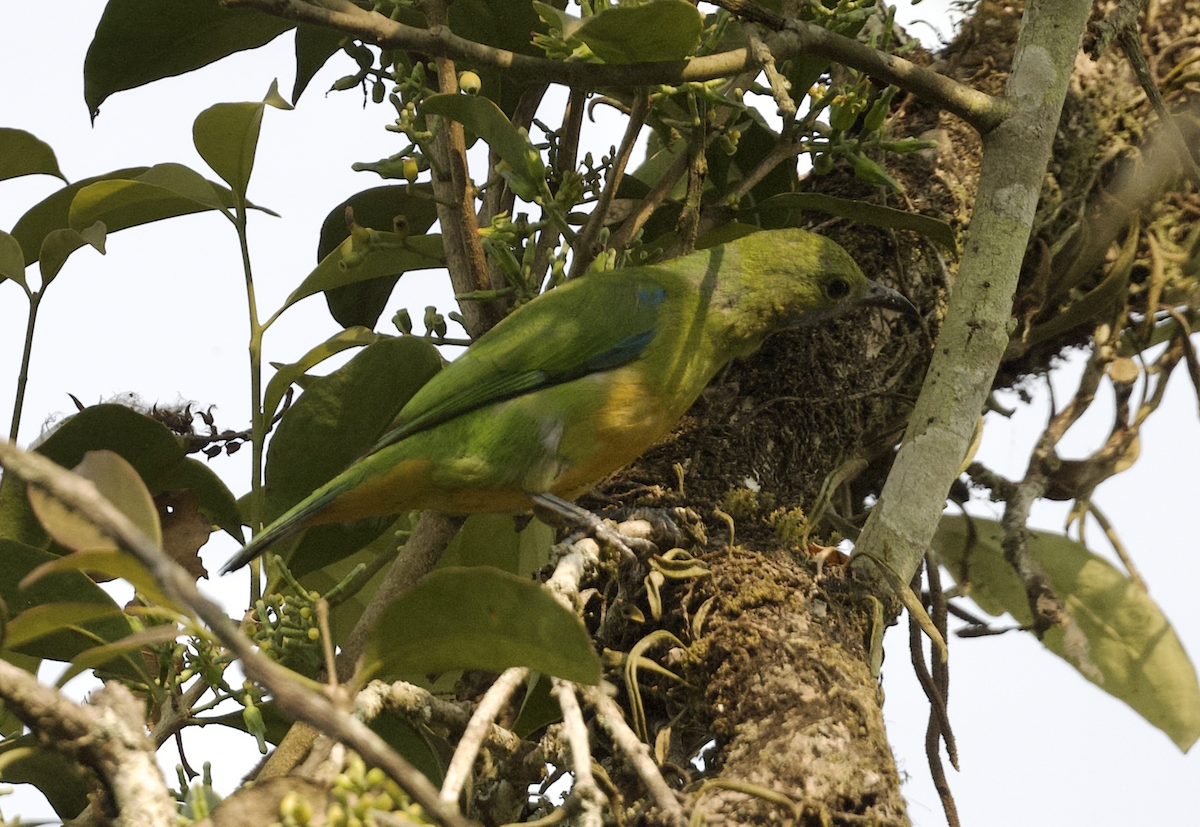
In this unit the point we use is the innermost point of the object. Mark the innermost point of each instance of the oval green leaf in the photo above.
(22, 153)
(876, 215)
(377, 208)
(314, 46)
(53, 213)
(334, 421)
(522, 163)
(117, 482)
(493, 540)
(154, 451)
(139, 41)
(655, 31)
(286, 375)
(226, 136)
(481, 618)
(62, 588)
(12, 260)
(1130, 640)
(58, 245)
(386, 255)
(108, 563)
(63, 782)
(50, 618)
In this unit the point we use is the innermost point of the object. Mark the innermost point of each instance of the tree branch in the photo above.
(980, 110)
(107, 736)
(975, 333)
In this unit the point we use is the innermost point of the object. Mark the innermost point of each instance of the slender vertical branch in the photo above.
(258, 419)
(455, 196)
(975, 333)
(585, 248)
(23, 377)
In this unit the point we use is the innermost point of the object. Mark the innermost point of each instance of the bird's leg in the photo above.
(581, 517)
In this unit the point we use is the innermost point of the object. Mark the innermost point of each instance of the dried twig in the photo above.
(477, 731)
(636, 753)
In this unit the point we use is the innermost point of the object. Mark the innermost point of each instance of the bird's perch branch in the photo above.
(793, 37)
(975, 333)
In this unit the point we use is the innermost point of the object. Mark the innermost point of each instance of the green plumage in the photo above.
(583, 379)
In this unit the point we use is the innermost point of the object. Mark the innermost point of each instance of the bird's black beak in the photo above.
(879, 296)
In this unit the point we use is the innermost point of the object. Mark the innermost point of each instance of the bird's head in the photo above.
(778, 279)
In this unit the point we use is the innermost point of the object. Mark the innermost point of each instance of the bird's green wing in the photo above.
(596, 323)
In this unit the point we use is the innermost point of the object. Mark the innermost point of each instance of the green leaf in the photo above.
(130, 646)
(314, 46)
(139, 41)
(226, 136)
(539, 709)
(107, 563)
(654, 31)
(117, 481)
(74, 633)
(21, 153)
(875, 215)
(286, 375)
(58, 245)
(23, 761)
(386, 255)
(163, 191)
(216, 500)
(1130, 640)
(480, 618)
(12, 260)
(523, 163)
(341, 415)
(502, 24)
(149, 446)
(492, 540)
(418, 746)
(53, 212)
(41, 621)
(378, 208)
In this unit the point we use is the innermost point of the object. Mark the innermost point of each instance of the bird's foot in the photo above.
(665, 527)
(632, 547)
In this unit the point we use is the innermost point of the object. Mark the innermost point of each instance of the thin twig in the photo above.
(477, 731)
(636, 753)
(982, 111)
(585, 244)
(588, 795)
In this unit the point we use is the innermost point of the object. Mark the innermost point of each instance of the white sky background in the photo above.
(163, 315)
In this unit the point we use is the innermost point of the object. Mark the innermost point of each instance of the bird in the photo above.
(580, 381)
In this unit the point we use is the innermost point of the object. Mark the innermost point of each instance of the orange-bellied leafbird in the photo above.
(581, 380)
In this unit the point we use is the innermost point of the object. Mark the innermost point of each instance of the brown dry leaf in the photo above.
(184, 529)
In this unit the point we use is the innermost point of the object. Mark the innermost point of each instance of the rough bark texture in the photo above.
(778, 671)
(785, 682)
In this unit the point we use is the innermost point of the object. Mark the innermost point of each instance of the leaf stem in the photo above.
(258, 431)
(23, 377)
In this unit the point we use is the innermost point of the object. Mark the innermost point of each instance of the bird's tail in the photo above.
(288, 524)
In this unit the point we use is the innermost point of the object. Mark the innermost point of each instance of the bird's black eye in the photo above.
(838, 289)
